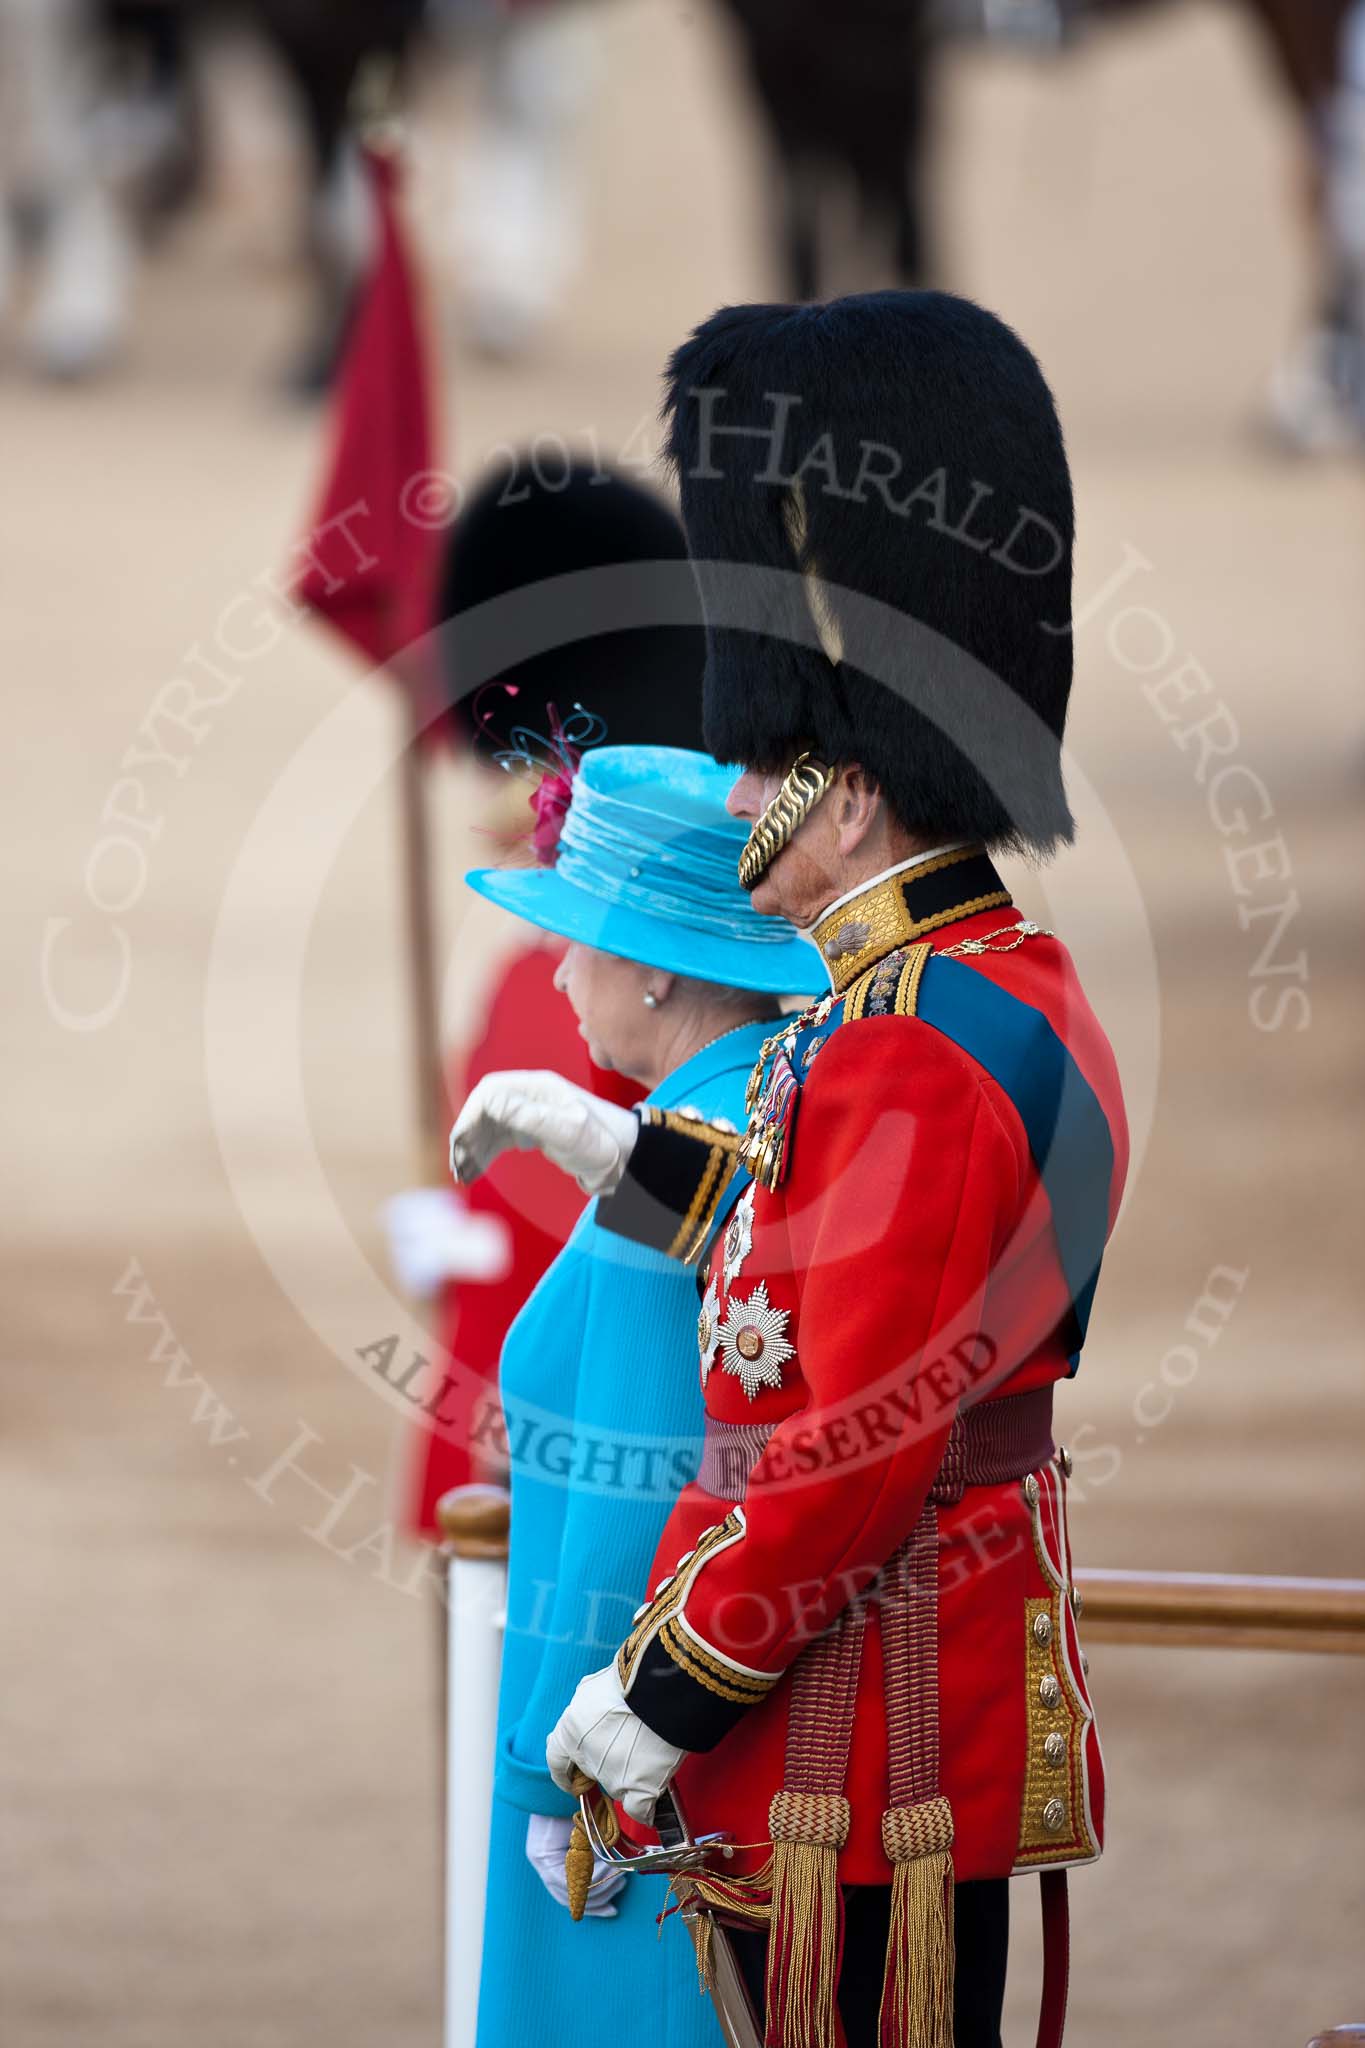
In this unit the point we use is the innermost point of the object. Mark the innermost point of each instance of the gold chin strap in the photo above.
(805, 782)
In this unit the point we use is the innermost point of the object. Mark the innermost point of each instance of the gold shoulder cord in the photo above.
(1014, 935)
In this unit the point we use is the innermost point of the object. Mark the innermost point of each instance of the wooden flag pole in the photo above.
(374, 112)
(429, 1076)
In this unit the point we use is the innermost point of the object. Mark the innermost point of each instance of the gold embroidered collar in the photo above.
(903, 907)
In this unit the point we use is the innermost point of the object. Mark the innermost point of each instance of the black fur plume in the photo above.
(904, 448)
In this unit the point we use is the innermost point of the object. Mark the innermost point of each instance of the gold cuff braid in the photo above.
(805, 782)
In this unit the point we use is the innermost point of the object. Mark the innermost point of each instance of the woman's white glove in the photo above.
(547, 1839)
(574, 1128)
(598, 1733)
(434, 1238)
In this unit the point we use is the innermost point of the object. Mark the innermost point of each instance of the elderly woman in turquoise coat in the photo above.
(675, 981)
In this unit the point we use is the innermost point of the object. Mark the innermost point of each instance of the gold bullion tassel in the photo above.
(579, 1861)
(706, 1962)
(917, 1991)
(700, 1924)
(578, 1867)
(808, 1829)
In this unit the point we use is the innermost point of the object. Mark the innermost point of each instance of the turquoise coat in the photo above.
(604, 1416)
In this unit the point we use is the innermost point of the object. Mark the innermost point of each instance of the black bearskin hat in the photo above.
(900, 447)
(525, 525)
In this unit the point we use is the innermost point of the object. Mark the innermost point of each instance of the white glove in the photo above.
(598, 1733)
(434, 1238)
(547, 1838)
(575, 1129)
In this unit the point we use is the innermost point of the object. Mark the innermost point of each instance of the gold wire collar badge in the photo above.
(806, 781)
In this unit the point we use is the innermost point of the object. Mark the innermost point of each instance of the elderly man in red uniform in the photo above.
(858, 1651)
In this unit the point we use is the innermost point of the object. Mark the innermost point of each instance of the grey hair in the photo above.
(719, 995)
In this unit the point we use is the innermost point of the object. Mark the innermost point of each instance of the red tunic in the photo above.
(909, 1247)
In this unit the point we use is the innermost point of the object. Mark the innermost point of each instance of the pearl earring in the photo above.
(651, 1000)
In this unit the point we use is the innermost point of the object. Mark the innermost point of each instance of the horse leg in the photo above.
(82, 294)
(912, 248)
(321, 50)
(800, 188)
(1318, 392)
(886, 154)
(1345, 210)
(519, 223)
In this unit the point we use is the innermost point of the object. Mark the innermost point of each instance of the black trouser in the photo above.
(981, 1922)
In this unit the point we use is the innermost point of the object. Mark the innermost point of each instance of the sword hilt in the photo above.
(679, 1853)
(679, 1849)
(669, 1824)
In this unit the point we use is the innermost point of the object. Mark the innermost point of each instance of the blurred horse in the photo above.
(100, 138)
(534, 70)
(845, 96)
(1317, 397)
(321, 49)
(1318, 392)
(847, 99)
(69, 162)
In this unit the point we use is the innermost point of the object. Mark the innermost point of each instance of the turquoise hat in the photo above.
(647, 869)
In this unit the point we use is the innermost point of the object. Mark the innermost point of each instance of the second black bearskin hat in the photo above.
(901, 447)
(527, 525)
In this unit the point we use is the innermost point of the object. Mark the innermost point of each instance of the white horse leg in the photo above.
(519, 225)
(83, 269)
(80, 311)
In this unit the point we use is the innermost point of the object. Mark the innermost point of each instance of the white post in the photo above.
(474, 1521)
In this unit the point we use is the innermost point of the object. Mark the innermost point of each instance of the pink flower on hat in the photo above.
(550, 801)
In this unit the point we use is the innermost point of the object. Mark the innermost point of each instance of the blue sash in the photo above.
(1068, 1133)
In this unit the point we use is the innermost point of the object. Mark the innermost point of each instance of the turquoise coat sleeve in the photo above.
(623, 1319)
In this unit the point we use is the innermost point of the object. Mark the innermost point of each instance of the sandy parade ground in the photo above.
(218, 1764)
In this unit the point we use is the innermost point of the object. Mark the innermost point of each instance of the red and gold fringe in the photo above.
(805, 1934)
(917, 1992)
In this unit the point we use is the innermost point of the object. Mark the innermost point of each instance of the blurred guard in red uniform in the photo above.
(482, 1253)
(857, 1651)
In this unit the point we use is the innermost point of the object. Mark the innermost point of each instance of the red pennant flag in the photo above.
(373, 552)
(372, 566)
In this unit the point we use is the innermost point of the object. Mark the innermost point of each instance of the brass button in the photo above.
(1077, 1604)
(1054, 1750)
(1042, 1628)
(1031, 1489)
(1049, 1692)
(1054, 1816)
(1065, 1460)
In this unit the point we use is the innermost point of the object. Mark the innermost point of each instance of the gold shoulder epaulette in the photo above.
(891, 988)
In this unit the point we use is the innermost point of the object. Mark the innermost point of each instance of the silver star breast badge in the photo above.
(708, 1330)
(753, 1341)
(739, 1237)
